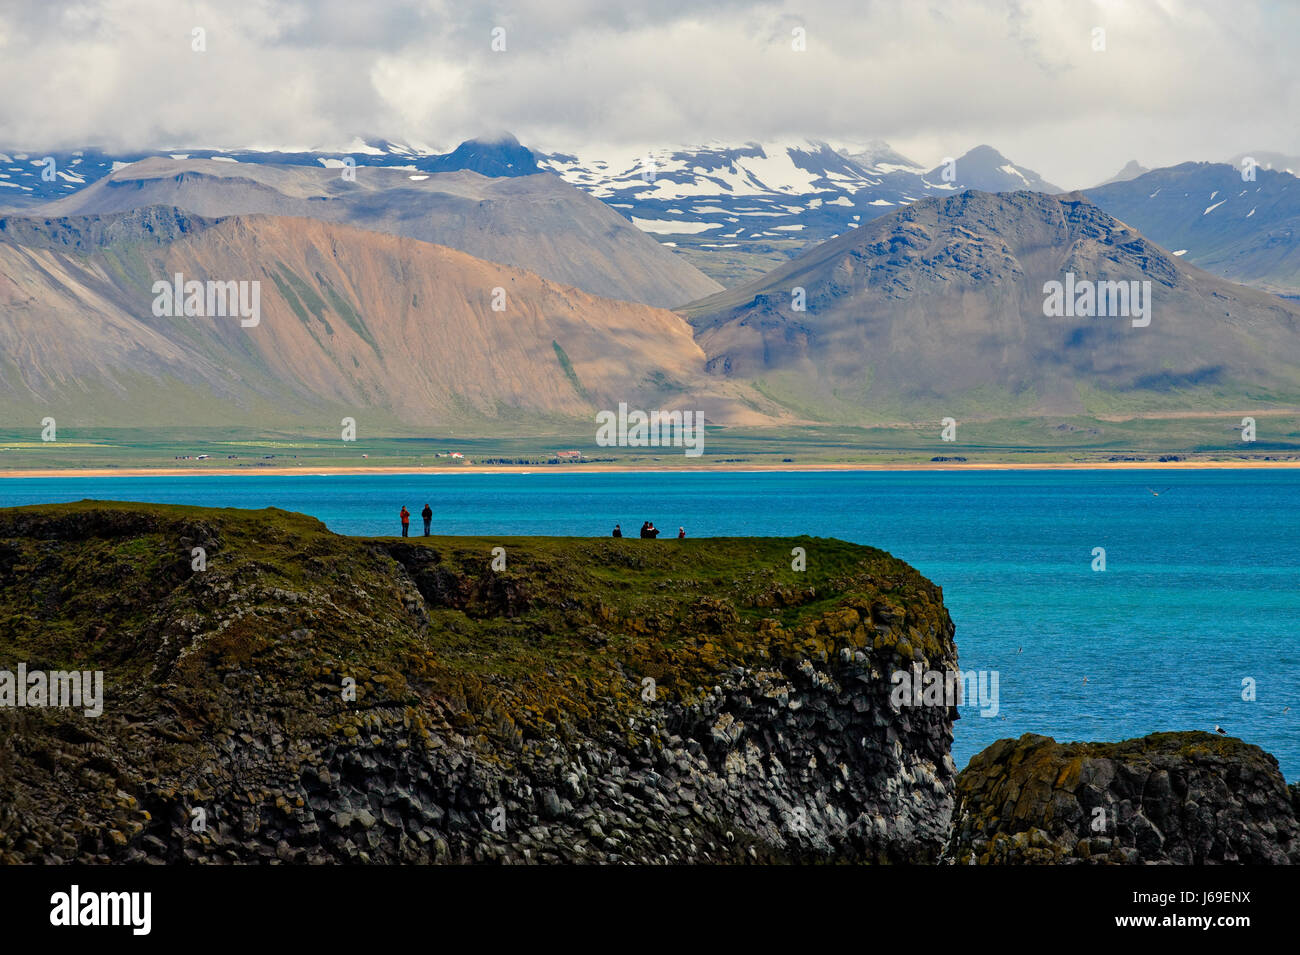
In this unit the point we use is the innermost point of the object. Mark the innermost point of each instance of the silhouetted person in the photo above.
(406, 522)
(681, 533)
(651, 531)
(427, 514)
(618, 531)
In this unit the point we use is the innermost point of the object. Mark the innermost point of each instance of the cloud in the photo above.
(1177, 80)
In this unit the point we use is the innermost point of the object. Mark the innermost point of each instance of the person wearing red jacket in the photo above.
(406, 522)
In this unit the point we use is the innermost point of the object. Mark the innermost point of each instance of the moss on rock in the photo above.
(1189, 798)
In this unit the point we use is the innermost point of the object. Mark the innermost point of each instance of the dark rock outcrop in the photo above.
(1183, 798)
(497, 155)
(151, 225)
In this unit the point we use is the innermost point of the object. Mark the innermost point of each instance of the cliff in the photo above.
(291, 695)
(1182, 798)
(307, 697)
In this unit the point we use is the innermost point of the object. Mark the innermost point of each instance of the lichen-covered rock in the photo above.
(313, 698)
(1184, 798)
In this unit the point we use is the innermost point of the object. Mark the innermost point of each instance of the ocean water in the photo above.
(1201, 590)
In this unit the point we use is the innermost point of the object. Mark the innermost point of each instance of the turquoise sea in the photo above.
(1201, 589)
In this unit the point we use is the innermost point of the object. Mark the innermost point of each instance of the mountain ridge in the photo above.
(404, 330)
(535, 222)
(1246, 230)
(939, 309)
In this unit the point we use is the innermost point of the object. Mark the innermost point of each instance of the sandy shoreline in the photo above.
(617, 469)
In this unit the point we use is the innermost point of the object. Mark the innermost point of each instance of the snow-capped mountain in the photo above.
(801, 189)
(880, 158)
(732, 193)
(738, 210)
(1244, 229)
(25, 178)
(986, 169)
(492, 156)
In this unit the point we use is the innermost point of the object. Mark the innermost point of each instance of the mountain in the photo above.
(499, 155)
(878, 157)
(987, 170)
(23, 183)
(398, 333)
(938, 309)
(26, 181)
(535, 222)
(735, 211)
(1204, 212)
(1131, 170)
(754, 190)
(732, 211)
(738, 211)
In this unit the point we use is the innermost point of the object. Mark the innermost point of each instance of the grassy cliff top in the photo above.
(563, 636)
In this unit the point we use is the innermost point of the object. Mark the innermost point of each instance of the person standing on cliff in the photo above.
(681, 533)
(406, 522)
(618, 530)
(427, 514)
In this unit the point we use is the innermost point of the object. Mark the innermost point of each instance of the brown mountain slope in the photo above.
(399, 332)
(938, 309)
(539, 223)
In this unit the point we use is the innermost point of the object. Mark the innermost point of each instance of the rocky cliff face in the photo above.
(312, 698)
(1182, 798)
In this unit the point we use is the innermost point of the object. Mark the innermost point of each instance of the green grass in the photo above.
(532, 442)
(346, 312)
(569, 373)
(748, 260)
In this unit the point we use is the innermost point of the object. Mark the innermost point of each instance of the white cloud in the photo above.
(1178, 80)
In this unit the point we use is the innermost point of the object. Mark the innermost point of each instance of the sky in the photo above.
(1072, 89)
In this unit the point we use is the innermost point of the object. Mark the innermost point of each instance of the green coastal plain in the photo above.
(1024, 442)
